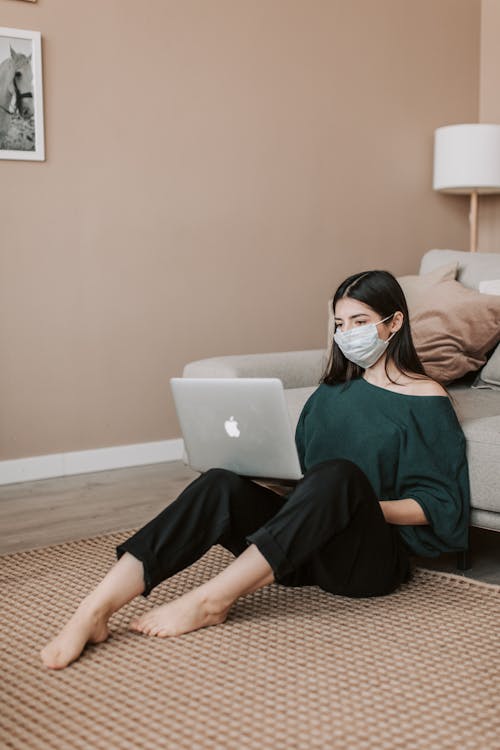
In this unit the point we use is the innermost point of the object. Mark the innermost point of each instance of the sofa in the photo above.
(476, 400)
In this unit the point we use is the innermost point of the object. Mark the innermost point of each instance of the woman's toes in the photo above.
(137, 624)
(142, 625)
(189, 612)
(68, 645)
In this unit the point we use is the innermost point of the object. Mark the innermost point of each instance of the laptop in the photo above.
(240, 424)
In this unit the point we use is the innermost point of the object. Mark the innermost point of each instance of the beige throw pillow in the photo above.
(454, 328)
(415, 286)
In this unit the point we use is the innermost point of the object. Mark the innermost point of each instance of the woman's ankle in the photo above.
(92, 606)
(213, 600)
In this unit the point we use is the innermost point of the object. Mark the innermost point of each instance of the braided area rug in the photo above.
(290, 668)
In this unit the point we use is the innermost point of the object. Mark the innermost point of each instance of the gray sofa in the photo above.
(478, 409)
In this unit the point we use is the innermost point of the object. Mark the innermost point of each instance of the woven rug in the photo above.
(290, 668)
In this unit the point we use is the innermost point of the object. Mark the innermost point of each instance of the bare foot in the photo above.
(86, 626)
(190, 612)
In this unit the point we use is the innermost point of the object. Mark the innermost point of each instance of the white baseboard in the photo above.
(83, 462)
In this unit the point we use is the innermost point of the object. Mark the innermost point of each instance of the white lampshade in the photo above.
(467, 158)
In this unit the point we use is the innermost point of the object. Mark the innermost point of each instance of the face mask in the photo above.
(362, 345)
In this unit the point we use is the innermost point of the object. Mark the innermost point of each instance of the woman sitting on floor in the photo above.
(385, 476)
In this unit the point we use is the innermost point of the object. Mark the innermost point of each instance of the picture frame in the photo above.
(21, 95)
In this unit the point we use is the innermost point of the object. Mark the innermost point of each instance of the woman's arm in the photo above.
(405, 512)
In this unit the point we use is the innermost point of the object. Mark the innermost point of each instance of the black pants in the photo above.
(329, 532)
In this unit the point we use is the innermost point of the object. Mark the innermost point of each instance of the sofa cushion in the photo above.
(472, 267)
(483, 449)
(295, 369)
(471, 404)
(295, 399)
(479, 414)
(489, 377)
(491, 371)
(480, 383)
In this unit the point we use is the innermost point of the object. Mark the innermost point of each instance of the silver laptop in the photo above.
(241, 424)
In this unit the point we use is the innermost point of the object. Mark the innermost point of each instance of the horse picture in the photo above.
(16, 102)
(18, 97)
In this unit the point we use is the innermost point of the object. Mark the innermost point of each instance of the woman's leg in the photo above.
(208, 604)
(202, 516)
(331, 522)
(89, 623)
(329, 532)
(219, 507)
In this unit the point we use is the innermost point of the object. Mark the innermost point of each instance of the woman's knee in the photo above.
(222, 479)
(341, 479)
(335, 469)
(219, 475)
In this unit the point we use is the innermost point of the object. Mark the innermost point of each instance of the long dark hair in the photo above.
(381, 291)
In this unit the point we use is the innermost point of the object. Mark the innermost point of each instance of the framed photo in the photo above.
(21, 95)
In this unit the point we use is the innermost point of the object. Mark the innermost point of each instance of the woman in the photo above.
(385, 476)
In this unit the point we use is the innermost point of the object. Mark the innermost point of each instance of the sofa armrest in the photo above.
(295, 369)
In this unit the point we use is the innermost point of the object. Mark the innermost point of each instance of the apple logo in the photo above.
(231, 427)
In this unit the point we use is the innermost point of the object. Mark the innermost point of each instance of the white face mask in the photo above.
(362, 345)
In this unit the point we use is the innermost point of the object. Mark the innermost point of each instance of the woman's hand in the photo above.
(405, 512)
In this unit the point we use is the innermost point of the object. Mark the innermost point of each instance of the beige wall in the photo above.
(489, 111)
(214, 170)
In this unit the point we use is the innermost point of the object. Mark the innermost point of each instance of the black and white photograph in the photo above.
(21, 98)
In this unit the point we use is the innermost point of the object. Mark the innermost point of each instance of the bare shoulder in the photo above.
(427, 387)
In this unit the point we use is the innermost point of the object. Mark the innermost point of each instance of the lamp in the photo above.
(467, 160)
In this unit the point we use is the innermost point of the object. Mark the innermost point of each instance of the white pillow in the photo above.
(490, 286)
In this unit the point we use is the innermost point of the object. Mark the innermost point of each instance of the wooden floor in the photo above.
(37, 514)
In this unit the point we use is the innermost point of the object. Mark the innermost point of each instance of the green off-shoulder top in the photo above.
(408, 447)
